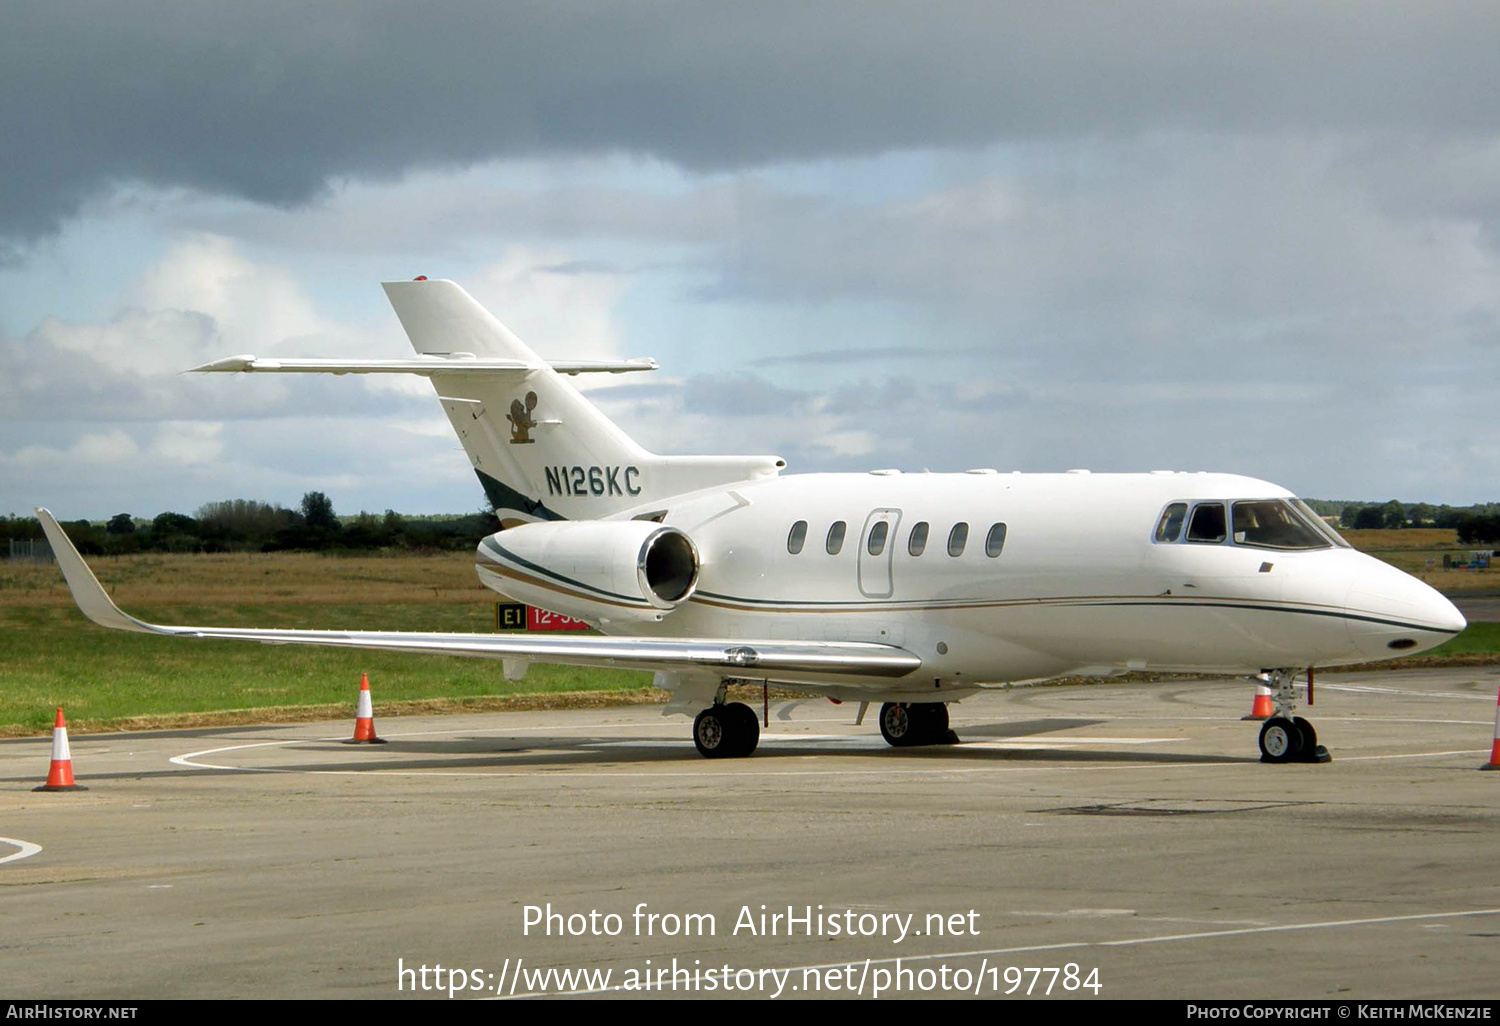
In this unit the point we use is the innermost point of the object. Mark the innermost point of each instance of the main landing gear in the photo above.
(1285, 737)
(904, 724)
(726, 731)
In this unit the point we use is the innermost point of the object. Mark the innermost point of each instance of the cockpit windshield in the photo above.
(1321, 524)
(1275, 524)
(1258, 523)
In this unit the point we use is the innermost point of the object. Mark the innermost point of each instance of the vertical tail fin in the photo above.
(541, 450)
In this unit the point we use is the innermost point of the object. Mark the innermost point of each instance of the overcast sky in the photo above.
(1261, 238)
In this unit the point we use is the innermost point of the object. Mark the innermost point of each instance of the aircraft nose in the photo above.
(1435, 612)
(1391, 612)
(1447, 615)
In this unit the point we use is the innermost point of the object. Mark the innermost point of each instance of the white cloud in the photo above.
(190, 443)
(91, 451)
(255, 307)
(560, 311)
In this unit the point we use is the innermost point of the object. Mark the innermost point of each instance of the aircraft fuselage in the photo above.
(1079, 582)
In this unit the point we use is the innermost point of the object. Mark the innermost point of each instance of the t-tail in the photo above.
(542, 451)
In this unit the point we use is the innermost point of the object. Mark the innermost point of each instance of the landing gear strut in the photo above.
(1286, 737)
(904, 724)
(726, 731)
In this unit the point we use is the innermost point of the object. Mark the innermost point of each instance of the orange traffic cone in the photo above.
(1494, 763)
(364, 717)
(60, 776)
(1262, 709)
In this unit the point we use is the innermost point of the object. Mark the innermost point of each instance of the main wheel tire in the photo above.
(931, 722)
(746, 733)
(1280, 740)
(1309, 736)
(714, 733)
(897, 724)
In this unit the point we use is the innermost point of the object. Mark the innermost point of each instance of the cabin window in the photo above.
(957, 539)
(835, 538)
(797, 536)
(917, 543)
(994, 541)
(876, 545)
(1274, 524)
(1207, 525)
(1169, 527)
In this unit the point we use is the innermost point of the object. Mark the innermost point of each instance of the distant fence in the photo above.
(25, 550)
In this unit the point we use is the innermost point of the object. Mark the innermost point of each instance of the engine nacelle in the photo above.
(594, 570)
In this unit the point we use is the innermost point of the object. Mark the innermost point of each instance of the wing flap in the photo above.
(724, 656)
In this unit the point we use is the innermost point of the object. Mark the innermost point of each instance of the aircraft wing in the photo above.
(726, 656)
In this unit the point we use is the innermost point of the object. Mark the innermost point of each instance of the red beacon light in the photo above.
(420, 277)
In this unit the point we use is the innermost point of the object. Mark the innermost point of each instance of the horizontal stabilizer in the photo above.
(426, 366)
(541, 450)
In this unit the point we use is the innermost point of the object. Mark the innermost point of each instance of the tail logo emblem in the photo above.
(521, 421)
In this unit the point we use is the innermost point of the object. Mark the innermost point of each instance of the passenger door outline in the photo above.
(874, 572)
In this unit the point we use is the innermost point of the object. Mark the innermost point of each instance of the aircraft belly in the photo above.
(1209, 634)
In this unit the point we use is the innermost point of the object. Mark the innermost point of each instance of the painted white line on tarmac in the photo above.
(1395, 719)
(191, 759)
(1375, 689)
(1413, 755)
(1064, 742)
(877, 744)
(508, 730)
(188, 761)
(27, 849)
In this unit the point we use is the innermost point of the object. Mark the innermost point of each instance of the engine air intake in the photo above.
(669, 566)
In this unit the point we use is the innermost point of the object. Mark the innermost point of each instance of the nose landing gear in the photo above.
(1285, 737)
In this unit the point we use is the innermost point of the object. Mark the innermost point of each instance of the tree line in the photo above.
(245, 525)
(1478, 524)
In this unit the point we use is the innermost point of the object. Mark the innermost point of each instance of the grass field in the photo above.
(1480, 639)
(1420, 551)
(50, 655)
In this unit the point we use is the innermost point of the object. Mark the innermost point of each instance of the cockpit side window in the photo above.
(1207, 525)
(1274, 524)
(1169, 527)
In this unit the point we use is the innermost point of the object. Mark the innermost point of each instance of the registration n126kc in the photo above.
(910, 590)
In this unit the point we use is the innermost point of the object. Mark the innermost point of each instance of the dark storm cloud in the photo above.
(272, 100)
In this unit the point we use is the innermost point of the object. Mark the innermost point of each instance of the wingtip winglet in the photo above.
(93, 601)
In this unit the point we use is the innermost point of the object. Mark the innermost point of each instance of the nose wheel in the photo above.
(1285, 737)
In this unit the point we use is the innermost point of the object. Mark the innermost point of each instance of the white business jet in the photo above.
(912, 590)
